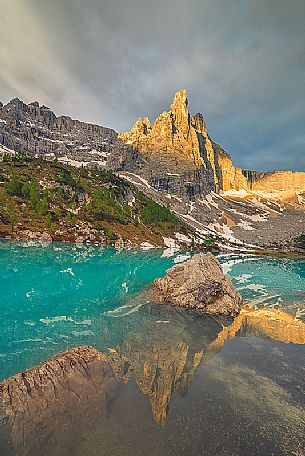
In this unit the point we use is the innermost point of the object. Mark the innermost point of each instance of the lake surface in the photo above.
(186, 384)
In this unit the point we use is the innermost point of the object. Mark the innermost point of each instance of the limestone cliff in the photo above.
(179, 148)
(178, 144)
(182, 158)
(280, 182)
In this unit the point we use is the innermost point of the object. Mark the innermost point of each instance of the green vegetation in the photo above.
(13, 186)
(154, 214)
(11, 215)
(70, 202)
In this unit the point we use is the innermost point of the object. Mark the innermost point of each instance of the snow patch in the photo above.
(182, 258)
(245, 225)
(146, 246)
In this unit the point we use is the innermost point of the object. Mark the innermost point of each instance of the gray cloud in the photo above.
(111, 61)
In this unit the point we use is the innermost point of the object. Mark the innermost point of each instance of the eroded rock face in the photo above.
(35, 129)
(277, 181)
(182, 158)
(181, 154)
(55, 402)
(199, 284)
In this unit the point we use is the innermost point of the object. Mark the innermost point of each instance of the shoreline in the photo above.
(121, 244)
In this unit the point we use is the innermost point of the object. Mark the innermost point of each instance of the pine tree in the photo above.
(34, 193)
(13, 186)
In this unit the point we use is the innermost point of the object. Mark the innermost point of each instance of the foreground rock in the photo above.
(47, 409)
(199, 284)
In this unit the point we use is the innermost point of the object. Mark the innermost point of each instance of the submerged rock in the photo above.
(199, 284)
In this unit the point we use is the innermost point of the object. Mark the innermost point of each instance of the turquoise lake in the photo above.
(61, 296)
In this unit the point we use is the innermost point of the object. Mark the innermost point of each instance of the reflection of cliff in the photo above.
(165, 352)
(57, 406)
(47, 409)
(268, 324)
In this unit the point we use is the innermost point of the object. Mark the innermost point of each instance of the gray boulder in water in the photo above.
(199, 284)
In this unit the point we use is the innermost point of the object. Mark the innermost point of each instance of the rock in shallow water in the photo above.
(48, 409)
(199, 284)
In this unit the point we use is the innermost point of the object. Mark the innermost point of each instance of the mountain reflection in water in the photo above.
(164, 355)
(75, 406)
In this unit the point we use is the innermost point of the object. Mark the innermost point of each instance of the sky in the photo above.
(111, 61)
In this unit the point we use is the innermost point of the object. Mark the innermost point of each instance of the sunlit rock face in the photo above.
(175, 162)
(45, 409)
(180, 152)
(175, 153)
(279, 182)
(183, 159)
(200, 284)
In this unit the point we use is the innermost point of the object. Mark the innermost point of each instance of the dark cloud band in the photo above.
(111, 61)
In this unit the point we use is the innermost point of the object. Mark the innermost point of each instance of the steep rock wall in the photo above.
(178, 147)
(276, 181)
(181, 158)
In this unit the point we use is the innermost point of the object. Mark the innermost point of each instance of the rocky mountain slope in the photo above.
(178, 148)
(44, 201)
(182, 157)
(176, 163)
(186, 168)
(35, 129)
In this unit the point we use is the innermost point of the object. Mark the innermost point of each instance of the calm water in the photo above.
(187, 385)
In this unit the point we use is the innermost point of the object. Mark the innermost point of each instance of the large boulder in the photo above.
(199, 284)
(51, 408)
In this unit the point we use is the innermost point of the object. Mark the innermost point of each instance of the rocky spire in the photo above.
(179, 144)
(141, 127)
(179, 111)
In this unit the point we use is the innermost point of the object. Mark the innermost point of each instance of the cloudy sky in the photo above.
(111, 61)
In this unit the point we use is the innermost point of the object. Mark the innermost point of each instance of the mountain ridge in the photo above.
(180, 142)
(175, 162)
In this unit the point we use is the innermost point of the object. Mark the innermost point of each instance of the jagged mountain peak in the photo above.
(35, 104)
(141, 126)
(178, 144)
(35, 129)
(174, 159)
(180, 100)
(15, 100)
